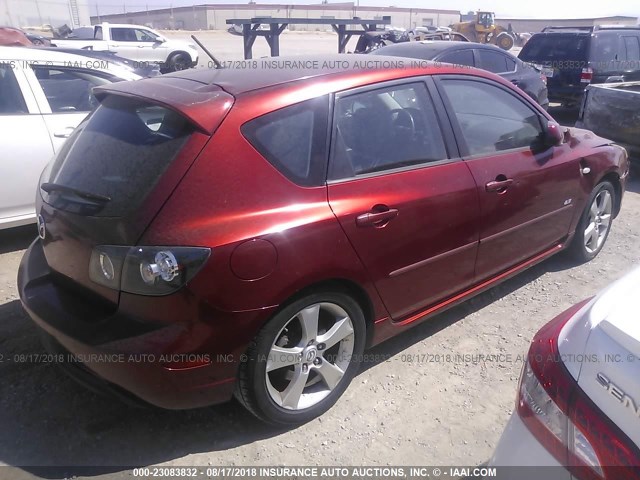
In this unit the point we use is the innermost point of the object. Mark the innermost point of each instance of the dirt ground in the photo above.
(414, 406)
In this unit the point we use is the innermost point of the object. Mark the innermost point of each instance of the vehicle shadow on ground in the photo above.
(49, 420)
(18, 238)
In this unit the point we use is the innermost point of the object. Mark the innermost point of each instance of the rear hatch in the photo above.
(610, 366)
(118, 168)
(562, 56)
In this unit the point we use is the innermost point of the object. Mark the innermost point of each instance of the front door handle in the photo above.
(498, 185)
(64, 133)
(376, 218)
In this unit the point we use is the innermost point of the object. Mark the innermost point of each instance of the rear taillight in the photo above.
(543, 77)
(145, 270)
(566, 421)
(587, 75)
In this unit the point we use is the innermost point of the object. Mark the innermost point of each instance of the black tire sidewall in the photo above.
(266, 408)
(174, 60)
(577, 248)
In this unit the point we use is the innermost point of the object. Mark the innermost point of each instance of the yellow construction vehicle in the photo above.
(484, 30)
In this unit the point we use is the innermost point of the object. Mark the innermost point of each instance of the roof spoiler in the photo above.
(204, 105)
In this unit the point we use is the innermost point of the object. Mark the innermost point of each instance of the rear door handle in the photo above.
(498, 185)
(376, 218)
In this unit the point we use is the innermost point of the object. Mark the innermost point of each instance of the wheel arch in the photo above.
(342, 285)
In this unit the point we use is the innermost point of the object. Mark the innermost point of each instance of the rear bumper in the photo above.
(189, 363)
(519, 448)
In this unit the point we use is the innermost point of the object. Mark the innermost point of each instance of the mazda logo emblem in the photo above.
(42, 230)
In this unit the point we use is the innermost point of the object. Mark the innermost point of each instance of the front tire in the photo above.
(595, 223)
(505, 41)
(303, 359)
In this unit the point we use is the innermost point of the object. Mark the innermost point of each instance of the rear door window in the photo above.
(494, 62)
(11, 99)
(120, 152)
(632, 46)
(385, 129)
(70, 89)
(459, 57)
(294, 140)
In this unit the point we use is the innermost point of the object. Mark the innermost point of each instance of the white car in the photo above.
(138, 43)
(44, 95)
(578, 405)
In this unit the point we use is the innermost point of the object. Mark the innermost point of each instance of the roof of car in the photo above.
(248, 75)
(429, 48)
(194, 92)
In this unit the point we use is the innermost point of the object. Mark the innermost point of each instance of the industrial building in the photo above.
(35, 13)
(536, 25)
(214, 16)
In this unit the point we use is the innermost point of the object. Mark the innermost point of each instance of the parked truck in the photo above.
(612, 110)
(137, 43)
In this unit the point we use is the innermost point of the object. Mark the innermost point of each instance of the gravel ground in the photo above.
(419, 402)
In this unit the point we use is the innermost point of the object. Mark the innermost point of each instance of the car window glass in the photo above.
(69, 90)
(459, 57)
(632, 45)
(605, 48)
(493, 61)
(384, 129)
(549, 47)
(145, 36)
(491, 119)
(98, 34)
(120, 151)
(124, 35)
(11, 99)
(294, 140)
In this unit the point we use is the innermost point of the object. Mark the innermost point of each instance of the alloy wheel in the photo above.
(310, 356)
(599, 221)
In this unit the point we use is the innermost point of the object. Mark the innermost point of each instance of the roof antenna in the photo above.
(215, 60)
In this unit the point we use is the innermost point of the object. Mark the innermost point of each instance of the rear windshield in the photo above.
(550, 47)
(120, 152)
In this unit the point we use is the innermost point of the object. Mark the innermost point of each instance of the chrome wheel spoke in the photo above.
(309, 321)
(293, 392)
(606, 220)
(589, 233)
(594, 209)
(280, 357)
(605, 203)
(331, 374)
(341, 330)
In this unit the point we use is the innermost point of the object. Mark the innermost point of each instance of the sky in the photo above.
(508, 8)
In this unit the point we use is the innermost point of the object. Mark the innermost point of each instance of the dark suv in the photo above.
(574, 57)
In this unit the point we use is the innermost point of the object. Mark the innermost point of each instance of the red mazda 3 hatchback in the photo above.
(251, 232)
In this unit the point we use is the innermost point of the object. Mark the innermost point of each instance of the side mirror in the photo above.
(160, 40)
(553, 135)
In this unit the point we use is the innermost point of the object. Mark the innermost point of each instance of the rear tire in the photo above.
(303, 359)
(178, 61)
(595, 223)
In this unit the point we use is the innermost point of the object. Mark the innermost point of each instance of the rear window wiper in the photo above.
(55, 187)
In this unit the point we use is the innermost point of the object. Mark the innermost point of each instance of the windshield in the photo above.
(119, 153)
